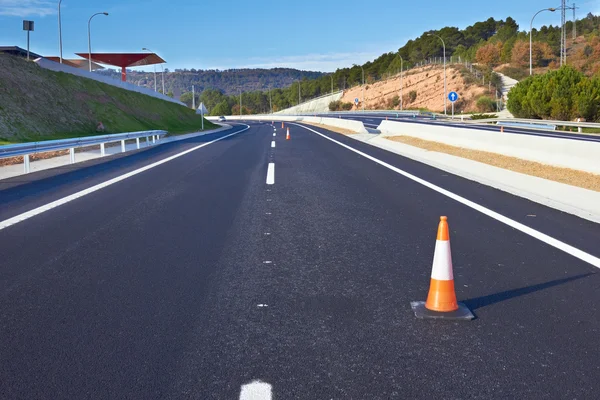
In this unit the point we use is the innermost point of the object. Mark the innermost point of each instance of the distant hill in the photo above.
(228, 82)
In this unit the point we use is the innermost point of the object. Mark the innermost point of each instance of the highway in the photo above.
(372, 120)
(195, 268)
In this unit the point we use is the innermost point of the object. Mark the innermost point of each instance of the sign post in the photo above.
(27, 26)
(356, 101)
(452, 96)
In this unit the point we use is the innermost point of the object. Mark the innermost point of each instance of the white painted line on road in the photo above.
(256, 390)
(273, 143)
(274, 134)
(575, 252)
(262, 305)
(36, 211)
(271, 174)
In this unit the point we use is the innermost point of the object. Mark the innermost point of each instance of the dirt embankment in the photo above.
(428, 84)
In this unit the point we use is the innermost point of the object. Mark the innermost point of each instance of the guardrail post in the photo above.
(153, 139)
(26, 163)
(72, 155)
(579, 129)
(122, 146)
(102, 151)
(137, 142)
(147, 141)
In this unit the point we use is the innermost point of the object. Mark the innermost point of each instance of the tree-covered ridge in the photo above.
(228, 81)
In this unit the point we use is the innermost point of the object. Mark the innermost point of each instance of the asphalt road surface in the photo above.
(195, 279)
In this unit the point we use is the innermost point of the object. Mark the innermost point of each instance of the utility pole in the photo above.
(240, 103)
(270, 102)
(563, 34)
(193, 97)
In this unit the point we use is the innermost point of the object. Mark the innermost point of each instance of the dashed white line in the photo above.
(39, 210)
(573, 251)
(273, 143)
(271, 174)
(274, 134)
(256, 390)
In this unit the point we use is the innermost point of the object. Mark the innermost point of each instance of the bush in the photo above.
(483, 116)
(412, 96)
(340, 106)
(564, 94)
(393, 102)
(485, 104)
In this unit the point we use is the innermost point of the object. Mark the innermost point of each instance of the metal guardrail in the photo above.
(26, 149)
(544, 127)
(536, 121)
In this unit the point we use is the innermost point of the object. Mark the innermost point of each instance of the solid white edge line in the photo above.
(36, 211)
(575, 252)
(273, 143)
(271, 174)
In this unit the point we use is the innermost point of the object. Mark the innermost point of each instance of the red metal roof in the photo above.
(124, 60)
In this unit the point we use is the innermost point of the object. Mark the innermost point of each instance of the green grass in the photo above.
(67, 106)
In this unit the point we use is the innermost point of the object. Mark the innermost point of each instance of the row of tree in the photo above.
(490, 42)
(564, 94)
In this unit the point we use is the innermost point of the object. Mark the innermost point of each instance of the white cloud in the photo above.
(309, 62)
(28, 8)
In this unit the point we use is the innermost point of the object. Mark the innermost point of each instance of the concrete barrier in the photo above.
(566, 153)
(351, 125)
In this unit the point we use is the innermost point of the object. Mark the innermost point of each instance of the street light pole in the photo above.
(60, 33)
(148, 50)
(531, 39)
(90, 38)
(401, 82)
(331, 84)
(270, 102)
(445, 85)
(163, 78)
(363, 85)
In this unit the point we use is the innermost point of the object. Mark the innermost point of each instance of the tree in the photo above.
(222, 108)
(520, 53)
(489, 54)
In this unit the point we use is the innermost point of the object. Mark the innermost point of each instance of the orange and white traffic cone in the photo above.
(501, 129)
(441, 302)
(287, 136)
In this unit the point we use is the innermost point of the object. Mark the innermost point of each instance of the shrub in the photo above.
(485, 104)
(412, 96)
(483, 116)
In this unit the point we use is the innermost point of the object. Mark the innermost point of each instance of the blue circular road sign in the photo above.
(356, 100)
(453, 96)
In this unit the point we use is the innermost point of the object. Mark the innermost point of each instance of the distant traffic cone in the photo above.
(501, 129)
(281, 124)
(441, 302)
(287, 136)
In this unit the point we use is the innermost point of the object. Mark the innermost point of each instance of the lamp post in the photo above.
(270, 102)
(147, 49)
(445, 86)
(163, 78)
(90, 38)
(531, 39)
(363, 85)
(299, 93)
(331, 84)
(401, 82)
(59, 32)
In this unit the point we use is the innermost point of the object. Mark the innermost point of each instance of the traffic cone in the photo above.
(287, 136)
(441, 302)
(501, 129)
(281, 124)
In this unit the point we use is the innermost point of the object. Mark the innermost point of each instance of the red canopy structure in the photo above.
(124, 60)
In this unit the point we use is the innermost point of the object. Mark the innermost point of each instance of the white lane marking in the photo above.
(274, 134)
(273, 143)
(262, 305)
(256, 390)
(575, 252)
(36, 211)
(267, 262)
(271, 174)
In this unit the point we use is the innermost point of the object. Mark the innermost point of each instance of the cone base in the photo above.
(463, 313)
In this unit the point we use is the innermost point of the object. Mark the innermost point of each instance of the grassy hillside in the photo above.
(37, 104)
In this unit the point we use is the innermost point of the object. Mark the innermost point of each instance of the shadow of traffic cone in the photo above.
(441, 302)
(287, 136)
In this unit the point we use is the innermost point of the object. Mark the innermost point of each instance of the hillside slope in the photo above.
(37, 104)
(428, 85)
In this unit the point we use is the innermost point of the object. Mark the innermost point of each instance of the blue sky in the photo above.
(310, 34)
